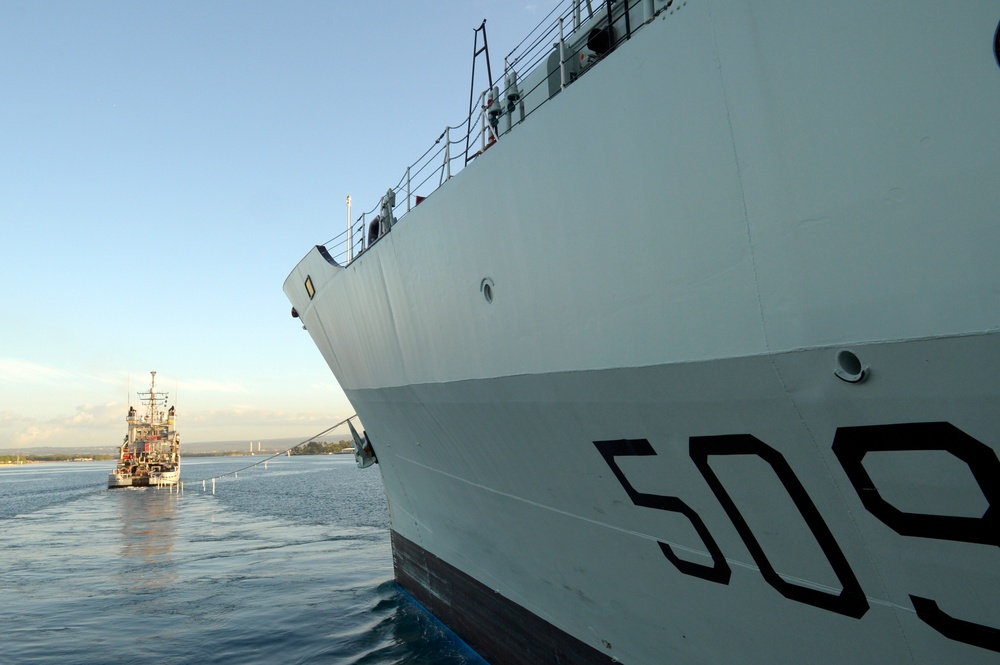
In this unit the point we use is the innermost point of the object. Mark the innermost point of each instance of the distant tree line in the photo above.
(311, 448)
(59, 457)
(321, 448)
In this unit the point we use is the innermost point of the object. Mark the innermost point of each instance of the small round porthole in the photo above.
(996, 44)
(849, 367)
(486, 286)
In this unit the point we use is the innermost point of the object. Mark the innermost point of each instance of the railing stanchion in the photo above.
(611, 23)
(482, 122)
(350, 232)
(407, 189)
(447, 152)
(562, 55)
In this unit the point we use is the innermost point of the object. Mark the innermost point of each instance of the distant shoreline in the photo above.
(13, 460)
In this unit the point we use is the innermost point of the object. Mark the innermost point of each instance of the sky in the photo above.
(165, 165)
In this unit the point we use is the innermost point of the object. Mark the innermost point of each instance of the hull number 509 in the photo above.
(850, 446)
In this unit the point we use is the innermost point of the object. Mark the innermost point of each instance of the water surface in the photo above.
(291, 564)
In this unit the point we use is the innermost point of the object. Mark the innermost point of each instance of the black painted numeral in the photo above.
(851, 600)
(851, 444)
(719, 571)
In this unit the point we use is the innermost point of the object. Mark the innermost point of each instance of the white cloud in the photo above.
(252, 415)
(89, 424)
(13, 370)
(31, 436)
(208, 386)
(38, 407)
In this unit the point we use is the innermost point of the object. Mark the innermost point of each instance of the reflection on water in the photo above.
(148, 523)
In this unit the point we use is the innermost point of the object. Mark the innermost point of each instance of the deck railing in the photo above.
(571, 39)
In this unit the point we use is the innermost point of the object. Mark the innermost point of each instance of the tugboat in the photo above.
(151, 451)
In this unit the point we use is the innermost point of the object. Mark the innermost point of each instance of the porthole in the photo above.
(996, 44)
(849, 368)
(486, 288)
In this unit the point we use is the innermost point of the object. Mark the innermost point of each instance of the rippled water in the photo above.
(290, 564)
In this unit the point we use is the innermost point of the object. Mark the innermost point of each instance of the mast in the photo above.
(153, 414)
(153, 401)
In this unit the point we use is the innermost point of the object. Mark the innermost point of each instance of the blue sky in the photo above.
(164, 166)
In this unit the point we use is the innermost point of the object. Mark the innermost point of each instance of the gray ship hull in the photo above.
(699, 362)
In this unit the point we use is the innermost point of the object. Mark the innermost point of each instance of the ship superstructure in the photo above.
(697, 360)
(150, 454)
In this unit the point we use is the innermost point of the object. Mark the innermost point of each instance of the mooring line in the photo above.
(235, 473)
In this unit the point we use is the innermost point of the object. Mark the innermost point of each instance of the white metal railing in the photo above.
(553, 61)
